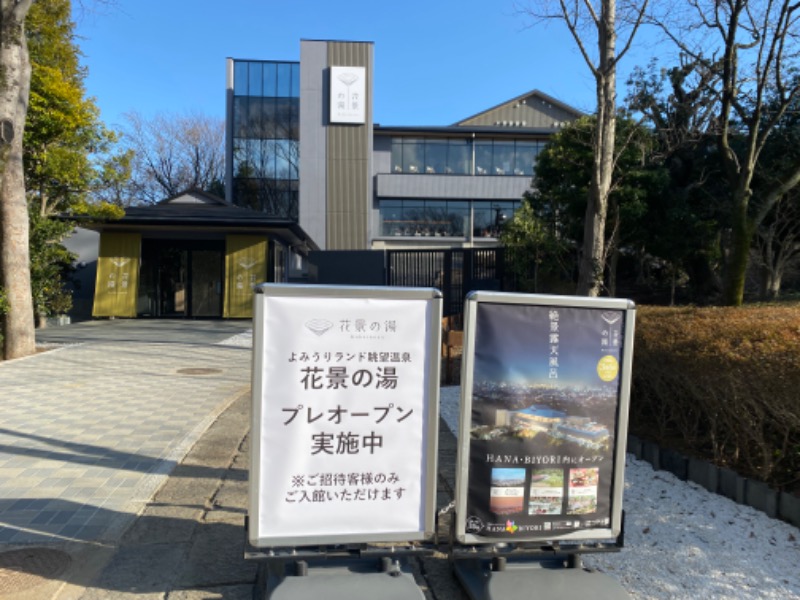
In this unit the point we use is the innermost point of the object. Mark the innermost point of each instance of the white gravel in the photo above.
(681, 541)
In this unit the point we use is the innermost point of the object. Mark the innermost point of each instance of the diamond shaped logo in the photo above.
(318, 326)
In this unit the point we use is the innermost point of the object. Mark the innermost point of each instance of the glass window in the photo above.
(295, 92)
(413, 155)
(483, 157)
(282, 159)
(266, 130)
(504, 211)
(433, 218)
(265, 119)
(482, 220)
(286, 118)
(447, 218)
(391, 213)
(254, 75)
(241, 164)
(458, 218)
(489, 217)
(284, 80)
(239, 116)
(526, 157)
(423, 218)
(397, 155)
(455, 156)
(459, 157)
(435, 156)
(270, 80)
(286, 159)
(413, 217)
(240, 78)
(261, 156)
(503, 163)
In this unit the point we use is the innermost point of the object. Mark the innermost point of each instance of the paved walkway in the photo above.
(90, 431)
(123, 466)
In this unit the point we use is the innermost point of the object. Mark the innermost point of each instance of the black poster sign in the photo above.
(544, 425)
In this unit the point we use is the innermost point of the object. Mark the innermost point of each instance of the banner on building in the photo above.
(345, 414)
(245, 268)
(117, 279)
(544, 408)
(348, 102)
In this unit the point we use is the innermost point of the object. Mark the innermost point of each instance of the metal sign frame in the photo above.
(267, 298)
(539, 521)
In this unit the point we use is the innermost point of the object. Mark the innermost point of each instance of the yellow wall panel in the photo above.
(245, 267)
(117, 280)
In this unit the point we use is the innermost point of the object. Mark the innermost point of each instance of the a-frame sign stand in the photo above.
(345, 437)
(522, 572)
(545, 388)
(341, 573)
(534, 579)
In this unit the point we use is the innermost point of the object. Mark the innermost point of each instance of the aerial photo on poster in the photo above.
(557, 380)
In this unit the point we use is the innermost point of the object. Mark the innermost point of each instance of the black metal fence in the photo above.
(456, 272)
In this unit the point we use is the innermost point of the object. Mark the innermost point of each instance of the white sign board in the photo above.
(345, 415)
(348, 102)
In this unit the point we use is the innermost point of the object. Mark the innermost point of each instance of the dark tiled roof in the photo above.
(195, 210)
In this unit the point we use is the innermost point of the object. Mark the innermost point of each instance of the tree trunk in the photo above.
(590, 275)
(739, 255)
(19, 337)
(774, 284)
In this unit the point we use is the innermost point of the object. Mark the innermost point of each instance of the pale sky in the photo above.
(436, 62)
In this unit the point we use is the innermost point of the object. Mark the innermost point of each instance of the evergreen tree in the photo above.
(63, 131)
(62, 135)
(563, 175)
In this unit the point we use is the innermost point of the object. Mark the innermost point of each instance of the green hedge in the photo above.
(722, 384)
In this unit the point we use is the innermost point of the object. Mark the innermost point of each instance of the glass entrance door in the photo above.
(181, 278)
(172, 283)
(206, 275)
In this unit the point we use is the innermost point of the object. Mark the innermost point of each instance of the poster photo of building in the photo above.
(544, 393)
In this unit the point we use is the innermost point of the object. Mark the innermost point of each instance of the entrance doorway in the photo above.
(181, 278)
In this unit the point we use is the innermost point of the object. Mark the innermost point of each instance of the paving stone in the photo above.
(122, 425)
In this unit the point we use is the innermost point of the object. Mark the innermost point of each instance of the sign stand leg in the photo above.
(338, 579)
(502, 578)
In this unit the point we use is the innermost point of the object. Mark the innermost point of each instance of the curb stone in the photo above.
(719, 480)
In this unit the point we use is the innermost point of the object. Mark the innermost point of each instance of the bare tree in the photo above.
(15, 77)
(752, 50)
(174, 153)
(594, 25)
(778, 245)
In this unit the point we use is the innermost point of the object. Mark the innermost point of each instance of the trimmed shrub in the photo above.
(722, 384)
